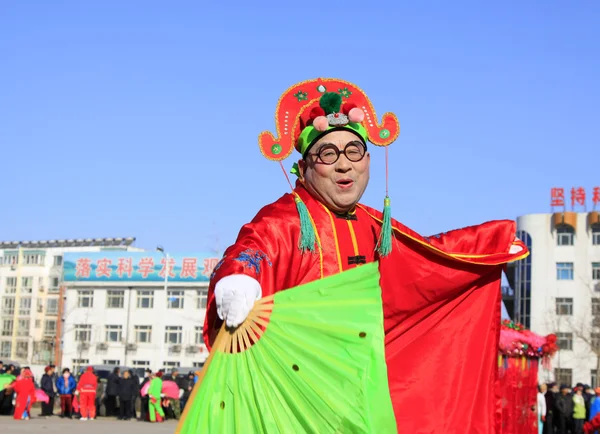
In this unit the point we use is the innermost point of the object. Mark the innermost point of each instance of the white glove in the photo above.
(235, 296)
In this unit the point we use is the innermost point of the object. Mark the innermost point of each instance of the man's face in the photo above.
(543, 388)
(340, 185)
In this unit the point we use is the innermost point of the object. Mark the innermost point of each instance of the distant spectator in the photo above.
(175, 403)
(578, 410)
(541, 407)
(136, 392)
(47, 385)
(6, 395)
(66, 386)
(145, 399)
(189, 386)
(127, 389)
(112, 390)
(564, 409)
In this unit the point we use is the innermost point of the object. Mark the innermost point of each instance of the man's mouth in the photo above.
(344, 183)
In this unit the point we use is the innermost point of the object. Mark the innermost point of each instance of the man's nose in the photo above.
(343, 164)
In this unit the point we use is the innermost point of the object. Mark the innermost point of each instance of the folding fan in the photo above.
(309, 359)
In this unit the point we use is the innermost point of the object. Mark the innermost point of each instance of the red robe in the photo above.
(441, 302)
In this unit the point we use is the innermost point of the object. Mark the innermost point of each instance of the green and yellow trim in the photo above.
(461, 257)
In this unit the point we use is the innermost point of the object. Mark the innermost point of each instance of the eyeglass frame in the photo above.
(359, 144)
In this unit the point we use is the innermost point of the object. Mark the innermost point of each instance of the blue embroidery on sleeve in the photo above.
(252, 258)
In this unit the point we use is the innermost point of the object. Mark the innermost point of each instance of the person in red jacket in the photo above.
(25, 389)
(88, 383)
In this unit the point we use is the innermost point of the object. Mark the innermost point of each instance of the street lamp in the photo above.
(166, 255)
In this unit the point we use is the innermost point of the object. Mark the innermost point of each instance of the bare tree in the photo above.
(584, 327)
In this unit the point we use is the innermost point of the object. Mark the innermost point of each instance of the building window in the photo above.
(50, 327)
(564, 271)
(5, 349)
(11, 258)
(565, 235)
(7, 327)
(58, 261)
(25, 306)
(11, 285)
(564, 306)
(596, 235)
(23, 327)
(113, 333)
(77, 363)
(85, 298)
(83, 333)
(30, 258)
(115, 299)
(40, 305)
(563, 376)
(145, 299)
(22, 349)
(174, 299)
(140, 363)
(565, 341)
(201, 296)
(172, 365)
(52, 306)
(198, 364)
(596, 270)
(594, 377)
(143, 334)
(199, 338)
(522, 312)
(595, 341)
(26, 285)
(111, 362)
(173, 334)
(596, 306)
(8, 306)
(54, 284)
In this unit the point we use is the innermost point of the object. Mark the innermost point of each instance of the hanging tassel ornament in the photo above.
(307, 232)
(384, 245)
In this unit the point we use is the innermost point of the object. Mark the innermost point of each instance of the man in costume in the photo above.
(25, 390)
(436, 291)
(87, 386)
(154, 392)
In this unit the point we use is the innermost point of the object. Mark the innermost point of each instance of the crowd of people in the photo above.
(564, 410)
(120, 394)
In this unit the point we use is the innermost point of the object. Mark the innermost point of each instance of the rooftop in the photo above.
(80, 242)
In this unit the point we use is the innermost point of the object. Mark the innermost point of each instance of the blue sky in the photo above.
(141, 118)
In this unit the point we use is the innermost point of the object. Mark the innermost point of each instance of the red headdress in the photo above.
(308, 110)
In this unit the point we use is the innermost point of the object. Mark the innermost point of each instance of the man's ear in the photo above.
(301, 169)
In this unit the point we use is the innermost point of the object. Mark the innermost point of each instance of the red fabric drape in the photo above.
(517, 391)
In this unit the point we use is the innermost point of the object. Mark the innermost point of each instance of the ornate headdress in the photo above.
(311, 109)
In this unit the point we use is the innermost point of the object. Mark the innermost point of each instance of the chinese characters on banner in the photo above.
(144, 267)
(577, 197)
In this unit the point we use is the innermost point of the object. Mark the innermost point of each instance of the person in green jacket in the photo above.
(578, 410)
(154, 404)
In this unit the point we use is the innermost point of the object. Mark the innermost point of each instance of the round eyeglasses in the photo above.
(329, 154)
